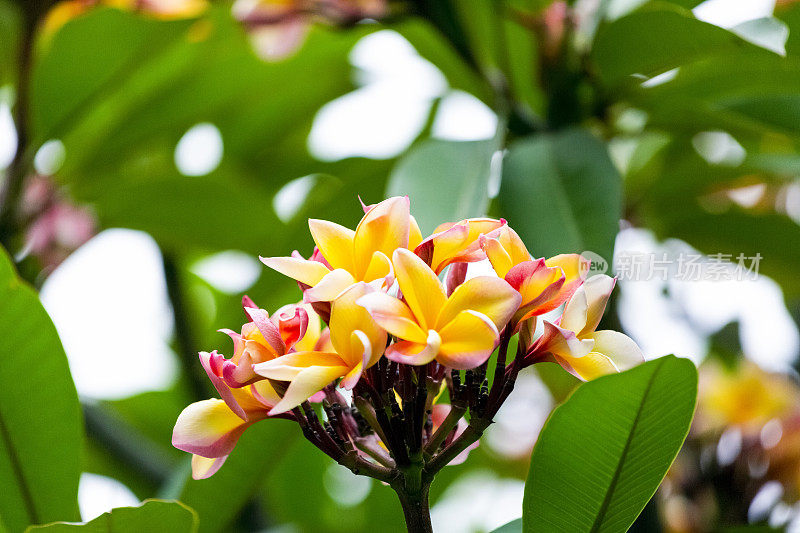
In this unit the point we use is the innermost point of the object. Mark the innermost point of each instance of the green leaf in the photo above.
(40, 418)
(603, 453)
(515, 526)
(651, 41)
(562, 193)
(446, 180)
(151, 515)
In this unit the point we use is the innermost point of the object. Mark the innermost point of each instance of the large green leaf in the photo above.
(562, 193)
(651, 41)
(446, 180)
(151, 515)
(40, 418)
(602, 454)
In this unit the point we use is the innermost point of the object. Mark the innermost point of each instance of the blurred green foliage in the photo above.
(119, 89)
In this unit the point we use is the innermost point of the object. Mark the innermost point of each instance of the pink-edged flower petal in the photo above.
(413, 353)
(493, 297)
(538, 285)
(393, 315)
(575, 268)
(208, 428)
(467, 341)
(305, 384)
(213, 363)
(456, 275)
(561, 341)
(457, 242)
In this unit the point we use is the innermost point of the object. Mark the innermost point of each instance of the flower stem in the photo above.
(416, 509)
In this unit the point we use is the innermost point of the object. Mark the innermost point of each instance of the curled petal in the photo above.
(241, 373)
(575, 268)
(618, 347)
(467, 341)
(585, 308)
(308, 272)
(248, 302)
(213, 363)
(308, 341)
(414, 353)
(205, 467)
(561, 342)
(456, 275)
(459, 242)
(491, 296)
(292, 322)
(538, 285)
(208, 428)
(335, 242)
(421, 288)
(330, 287)
(384, 228)
(393, 315)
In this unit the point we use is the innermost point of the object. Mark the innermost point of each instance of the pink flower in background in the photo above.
(279, 27)
(56, 226)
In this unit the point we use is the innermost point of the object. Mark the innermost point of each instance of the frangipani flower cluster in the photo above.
(405, 324)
